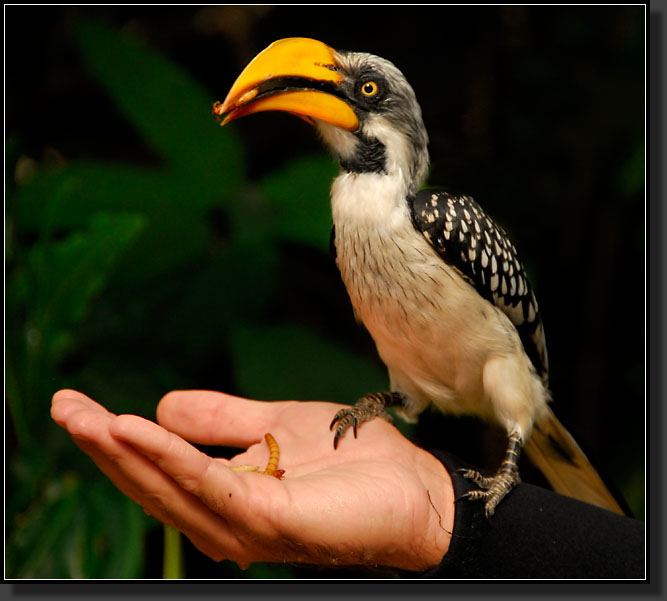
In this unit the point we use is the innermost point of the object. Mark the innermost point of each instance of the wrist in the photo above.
(440, 491)
(434, 530)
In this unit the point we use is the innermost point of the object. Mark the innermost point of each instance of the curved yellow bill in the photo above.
(302, 58)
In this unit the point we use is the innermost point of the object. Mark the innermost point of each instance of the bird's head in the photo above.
(361, 104)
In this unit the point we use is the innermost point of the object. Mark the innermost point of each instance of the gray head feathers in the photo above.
(391, 136)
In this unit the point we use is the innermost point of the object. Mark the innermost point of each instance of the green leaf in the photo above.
(50, 294)
(41, 528)
(113, 552)
(175, 211)
(287, 361)
(67, 274)
(68, 531)
(170, 110)
(300, 193)
(63, 198)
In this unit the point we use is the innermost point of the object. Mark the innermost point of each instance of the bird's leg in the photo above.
(495, 488)
(367, 407)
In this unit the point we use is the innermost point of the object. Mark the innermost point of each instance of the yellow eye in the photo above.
(369, 89)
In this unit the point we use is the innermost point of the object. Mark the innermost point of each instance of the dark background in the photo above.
(537, 112)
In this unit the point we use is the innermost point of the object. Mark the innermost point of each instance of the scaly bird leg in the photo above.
(495, 488)
(367, 407)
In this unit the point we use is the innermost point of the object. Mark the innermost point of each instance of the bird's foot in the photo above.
(492, 489)
(495, 488)
(366, 408)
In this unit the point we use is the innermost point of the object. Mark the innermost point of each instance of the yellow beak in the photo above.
(291, 75)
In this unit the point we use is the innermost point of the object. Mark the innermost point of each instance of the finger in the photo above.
(160, 495)
(224, 491)
(140, 479)
(87, 422)
(89, 428)
(143, 482)
(215, 418)
(137, 477)
(193, 470)
(65, 402)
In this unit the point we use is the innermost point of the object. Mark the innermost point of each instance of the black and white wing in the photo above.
(468, 240)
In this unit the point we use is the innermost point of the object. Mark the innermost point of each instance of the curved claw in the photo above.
(471, 495)
(366, 408)
(336, 437)
(481, 481)
(344, 419)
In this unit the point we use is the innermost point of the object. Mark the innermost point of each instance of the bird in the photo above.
(433, 278)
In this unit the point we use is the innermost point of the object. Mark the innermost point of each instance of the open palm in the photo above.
(376, 500)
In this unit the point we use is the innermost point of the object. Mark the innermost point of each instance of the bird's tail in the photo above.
(553, 450)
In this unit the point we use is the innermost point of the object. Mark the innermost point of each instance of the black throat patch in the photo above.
(370, 157)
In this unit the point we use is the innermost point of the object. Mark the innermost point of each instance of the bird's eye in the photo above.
(369, 89)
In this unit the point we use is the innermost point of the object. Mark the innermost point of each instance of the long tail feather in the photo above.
(553, 450)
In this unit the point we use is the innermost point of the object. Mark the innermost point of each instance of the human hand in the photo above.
(376, 500)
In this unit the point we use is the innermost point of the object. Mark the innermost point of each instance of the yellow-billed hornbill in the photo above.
(435, 281)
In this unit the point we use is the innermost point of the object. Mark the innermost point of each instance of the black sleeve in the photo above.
(537, 533)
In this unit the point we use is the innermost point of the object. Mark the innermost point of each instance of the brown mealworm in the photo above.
(271, 466)
(274, 456)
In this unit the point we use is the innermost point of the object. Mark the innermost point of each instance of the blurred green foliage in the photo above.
(125, 282)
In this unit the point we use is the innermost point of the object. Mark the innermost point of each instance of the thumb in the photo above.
(215, 418)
